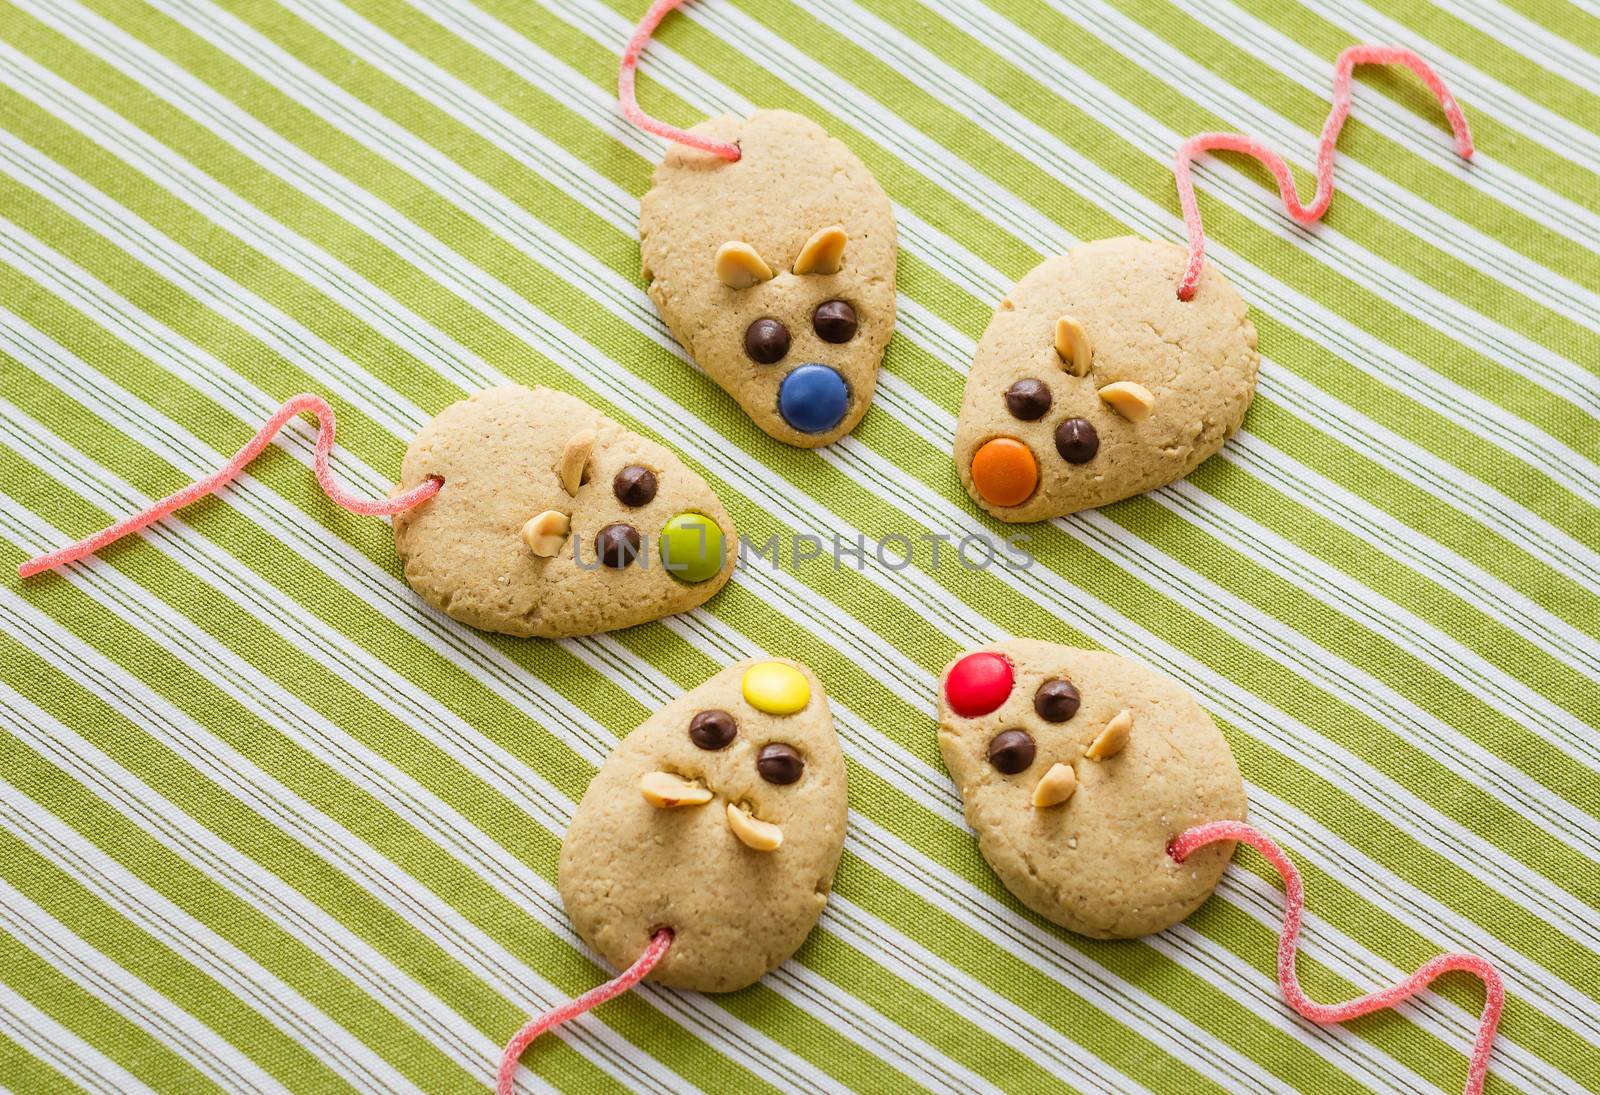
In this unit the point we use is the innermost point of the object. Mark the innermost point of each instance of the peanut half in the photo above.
(763, 836)
(823, 252)
(546, 532)
(665, 790)
(574, 458)
(1130, 399)
(1072, 346)
(1055, 786)
(1111, 741)
(739, 266)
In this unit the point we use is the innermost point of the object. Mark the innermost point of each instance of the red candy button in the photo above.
(978, 684)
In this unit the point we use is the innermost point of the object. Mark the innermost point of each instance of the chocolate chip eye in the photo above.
(712, 729)
(1057, 700)
(1011, 751)
(766, 341)
(617, 545)
(779, 763)
(634, 485)
(835, 321)
(1077, 440)
(1028, 399)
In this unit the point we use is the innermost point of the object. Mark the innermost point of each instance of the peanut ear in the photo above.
(739, 266)
(823, 252)
(1072, 345)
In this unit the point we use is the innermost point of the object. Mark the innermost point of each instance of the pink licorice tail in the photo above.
(1305, 214)
(1289, 980)
(627, 96)
(317, 406)
(652, 956)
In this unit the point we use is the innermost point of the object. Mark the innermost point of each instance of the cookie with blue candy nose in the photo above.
(776, 271)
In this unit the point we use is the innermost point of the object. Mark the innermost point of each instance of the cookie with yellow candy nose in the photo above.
(722, 817)
(776, 271)
(1077, 768)
(555, 521)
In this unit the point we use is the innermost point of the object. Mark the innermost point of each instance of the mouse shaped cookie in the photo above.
(1094, 382)
(1077, 769)
(721, 819)
(552, 520)
(776, 270)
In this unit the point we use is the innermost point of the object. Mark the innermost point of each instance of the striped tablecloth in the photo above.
(266, 821)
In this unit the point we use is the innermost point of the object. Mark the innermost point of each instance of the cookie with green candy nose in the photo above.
(553, 520)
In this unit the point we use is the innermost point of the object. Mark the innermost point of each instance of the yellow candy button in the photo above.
(776, 688)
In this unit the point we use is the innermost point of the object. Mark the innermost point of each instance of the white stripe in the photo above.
(370, 771)
(359, 762)
(75, 958)
(107, 878)
(415, 712)
(1378, 614)
(1543, 285)
(1479, 500)
(1352, 867)
(1528, 196)
(368, 969)
(1120, 200)
(1521, 114)
(1507, 26)
(1509, 606)
(873, 1031)
(654, 323)
(61, 1048)
(1296, 309)
(65, 459)
(897, 952)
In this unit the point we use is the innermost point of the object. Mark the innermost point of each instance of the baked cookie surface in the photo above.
(656, 841)
(776, 272)
(470, 552)
(1036, 438)
(1076, 770)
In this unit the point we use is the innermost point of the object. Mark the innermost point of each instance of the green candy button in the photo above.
(691, 547)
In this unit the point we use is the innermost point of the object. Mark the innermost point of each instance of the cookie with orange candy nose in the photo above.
(1077, 769)
(721, 819)
(1094, 381)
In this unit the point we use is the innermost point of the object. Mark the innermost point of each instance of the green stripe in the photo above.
(186, 985)
(839, 1048)
(20, 1070)
(1517, 147)
(187, 887)
(107, 1030)
(1398, 161)
(1565, 19)
(1489, 53)
(1118, 157)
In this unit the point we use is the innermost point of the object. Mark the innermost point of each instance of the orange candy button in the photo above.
(1004, 471)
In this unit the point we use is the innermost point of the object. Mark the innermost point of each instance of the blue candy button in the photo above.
(813, 398)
